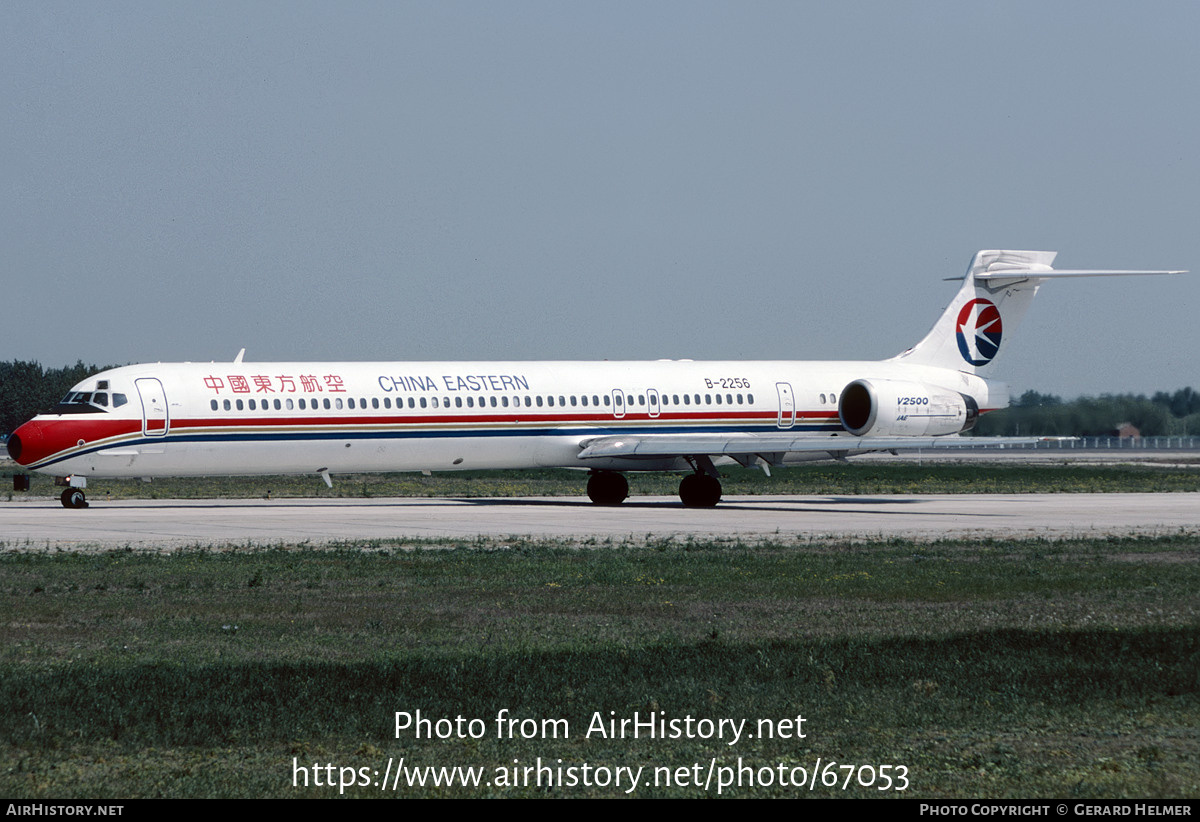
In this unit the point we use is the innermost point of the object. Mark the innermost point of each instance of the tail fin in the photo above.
(998, 289)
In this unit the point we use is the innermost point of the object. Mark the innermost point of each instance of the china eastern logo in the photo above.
(978, 330)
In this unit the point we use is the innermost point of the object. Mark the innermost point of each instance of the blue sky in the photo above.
(620, 180)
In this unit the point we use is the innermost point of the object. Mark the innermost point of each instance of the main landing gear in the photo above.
(74, 498)
(607, 488)
(699, 490)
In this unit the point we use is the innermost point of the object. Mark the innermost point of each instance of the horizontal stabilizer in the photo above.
(997, 290)
(1050, 275)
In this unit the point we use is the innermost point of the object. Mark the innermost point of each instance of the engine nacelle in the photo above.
(895, 408)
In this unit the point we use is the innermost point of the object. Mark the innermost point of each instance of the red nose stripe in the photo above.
(37, 440)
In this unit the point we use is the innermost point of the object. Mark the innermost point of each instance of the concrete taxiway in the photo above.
(38, 524)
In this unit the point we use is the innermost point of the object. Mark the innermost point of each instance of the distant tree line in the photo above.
(1035, 414)
(27, 389)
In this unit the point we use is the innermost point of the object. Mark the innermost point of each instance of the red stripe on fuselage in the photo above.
(468, 419)
(42, 438)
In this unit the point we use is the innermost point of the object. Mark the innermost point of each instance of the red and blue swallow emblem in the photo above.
(978, 330)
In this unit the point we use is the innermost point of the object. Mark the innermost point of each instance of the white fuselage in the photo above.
(197, 419)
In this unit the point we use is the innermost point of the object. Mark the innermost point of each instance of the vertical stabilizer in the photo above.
(971, 331)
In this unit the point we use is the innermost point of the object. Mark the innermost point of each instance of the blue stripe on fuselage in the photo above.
(424, 433)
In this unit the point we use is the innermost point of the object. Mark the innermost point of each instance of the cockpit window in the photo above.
(88, 402)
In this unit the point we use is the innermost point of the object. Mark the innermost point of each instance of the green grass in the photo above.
(818, 478)
(994, 669)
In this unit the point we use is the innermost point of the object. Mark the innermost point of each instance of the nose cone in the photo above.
(27, 444)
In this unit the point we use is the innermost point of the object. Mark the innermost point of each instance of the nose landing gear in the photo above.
(74, 498)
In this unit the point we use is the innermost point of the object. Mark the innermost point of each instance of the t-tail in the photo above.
(998, 289)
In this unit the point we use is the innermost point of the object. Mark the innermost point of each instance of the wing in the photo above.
(746, 448)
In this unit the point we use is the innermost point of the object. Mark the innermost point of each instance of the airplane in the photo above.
(324, 418)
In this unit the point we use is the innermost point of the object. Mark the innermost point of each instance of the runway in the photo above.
(39, 524)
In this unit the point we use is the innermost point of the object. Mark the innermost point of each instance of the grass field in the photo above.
(994, 669)
(818, 478)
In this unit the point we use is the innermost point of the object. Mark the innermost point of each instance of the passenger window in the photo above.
(687, 400)
(212, 404)
(539, 401)
(387, 402)
(493, 402)
(226, 405)
(253, 406)
(374, 402)
(423, 403)
(349, 403)
(239, 406)
(504, 401)
(718, 399)
(338, 403)
(289, 403)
